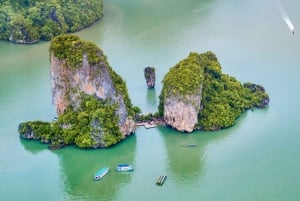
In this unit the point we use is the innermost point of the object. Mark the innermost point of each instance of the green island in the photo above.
(29, 21)
(95, 122)
(224, 98)
(196, 84)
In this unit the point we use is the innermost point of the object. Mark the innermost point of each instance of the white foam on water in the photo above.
(285, 17)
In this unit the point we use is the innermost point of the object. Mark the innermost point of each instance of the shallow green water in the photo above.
(257, 159)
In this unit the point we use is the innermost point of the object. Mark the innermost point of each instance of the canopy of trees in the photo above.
(27, 21)
(94, 124)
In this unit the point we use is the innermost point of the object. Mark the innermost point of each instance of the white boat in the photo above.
(124, 168)
(149, 125)
(101, 173)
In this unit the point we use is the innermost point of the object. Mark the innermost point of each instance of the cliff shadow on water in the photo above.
(78, 167)
(151, 98)
(33, 147)
(187, 152)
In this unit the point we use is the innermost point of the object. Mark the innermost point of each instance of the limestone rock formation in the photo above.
(182, 115)
(91, 99)
(197, 95)
(182, 94)
(94, 109)
(68, 83)
(79, 67)
(149, 74)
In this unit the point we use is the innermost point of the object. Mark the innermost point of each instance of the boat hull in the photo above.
(124, 168)
(101, 173)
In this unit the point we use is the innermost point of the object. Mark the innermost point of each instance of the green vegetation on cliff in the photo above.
(28, 21)
(71, 49)
(223, 97)
(182, 79)
(95, 119)
(185, 77)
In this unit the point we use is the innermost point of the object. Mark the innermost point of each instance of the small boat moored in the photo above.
(124, 167)
(101, 173)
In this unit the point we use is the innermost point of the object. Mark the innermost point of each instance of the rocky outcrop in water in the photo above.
(196, 95)
(91, 100)
(94, 109)
(254, 88)
(149, 74)
(92, 75)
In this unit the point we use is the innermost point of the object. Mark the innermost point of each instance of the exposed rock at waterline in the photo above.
(149, 74)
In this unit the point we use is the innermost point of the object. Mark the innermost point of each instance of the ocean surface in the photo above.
(257, 159)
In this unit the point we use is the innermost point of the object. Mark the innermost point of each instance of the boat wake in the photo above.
(285, 17)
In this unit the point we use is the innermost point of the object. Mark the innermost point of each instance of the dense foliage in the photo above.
(223, 97)
(71, 49)
(185, 77)
(94, 124)
(36, 129)
(27, 21)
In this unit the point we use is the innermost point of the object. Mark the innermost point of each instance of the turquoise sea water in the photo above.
(257, 159)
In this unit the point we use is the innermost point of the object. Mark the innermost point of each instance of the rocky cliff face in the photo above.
(149, 74)
(182, 115)
(68, 82)
(182, 93)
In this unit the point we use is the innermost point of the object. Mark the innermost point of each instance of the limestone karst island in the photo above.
(94, 109)
(29, 21)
